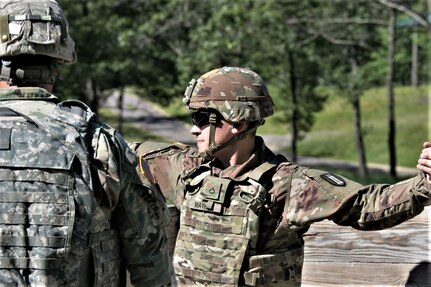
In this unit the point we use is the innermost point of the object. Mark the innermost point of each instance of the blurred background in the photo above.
(350, 79)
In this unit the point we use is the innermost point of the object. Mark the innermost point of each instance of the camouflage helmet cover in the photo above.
(238, 94)
(36, 28)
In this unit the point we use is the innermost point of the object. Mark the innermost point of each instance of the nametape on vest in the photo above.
(333, 179)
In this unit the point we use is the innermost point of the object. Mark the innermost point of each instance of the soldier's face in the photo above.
(201, 129)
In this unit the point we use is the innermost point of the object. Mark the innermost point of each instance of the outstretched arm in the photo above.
(424, 162)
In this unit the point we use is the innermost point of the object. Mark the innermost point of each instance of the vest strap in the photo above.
(230, 243)
(261, 170)
(26, 263)
(207, 276)
(33, 241)
(219, 228)
(34, 197)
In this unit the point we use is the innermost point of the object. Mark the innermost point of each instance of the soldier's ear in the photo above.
(237, 127)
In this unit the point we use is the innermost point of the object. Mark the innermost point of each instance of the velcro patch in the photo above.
(5, 135)
(333, 179)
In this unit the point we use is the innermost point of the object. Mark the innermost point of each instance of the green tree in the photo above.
(297, 46)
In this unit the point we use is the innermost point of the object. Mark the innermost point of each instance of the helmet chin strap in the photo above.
(213, 147)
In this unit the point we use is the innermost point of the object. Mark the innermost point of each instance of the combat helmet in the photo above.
(29, 28)
(237, 94)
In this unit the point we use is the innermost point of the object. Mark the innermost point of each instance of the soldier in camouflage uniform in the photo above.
(243, 209)
(74, 209)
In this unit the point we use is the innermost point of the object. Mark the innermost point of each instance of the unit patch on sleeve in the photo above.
(333, 179)
(145, 170)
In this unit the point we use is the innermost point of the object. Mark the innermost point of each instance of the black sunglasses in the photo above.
(202, 118)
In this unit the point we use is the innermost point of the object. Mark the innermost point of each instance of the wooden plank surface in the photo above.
(342, 256)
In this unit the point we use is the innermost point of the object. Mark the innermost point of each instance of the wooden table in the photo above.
(343, 256)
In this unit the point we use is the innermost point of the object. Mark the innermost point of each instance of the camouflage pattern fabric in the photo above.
(35, 28)
(296, 197)
(247, 100)
(73, 207)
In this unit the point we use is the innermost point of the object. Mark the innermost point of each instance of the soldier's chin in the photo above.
(202, 147)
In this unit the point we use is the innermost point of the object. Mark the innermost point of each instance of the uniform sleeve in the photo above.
(311, 195)
(381, 206)
(141, 224)
(167, 165)
(139, 212)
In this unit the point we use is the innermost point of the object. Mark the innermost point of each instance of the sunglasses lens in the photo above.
(201, 119)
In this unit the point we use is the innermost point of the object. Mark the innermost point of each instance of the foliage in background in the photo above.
(157, 46)
(331, 136)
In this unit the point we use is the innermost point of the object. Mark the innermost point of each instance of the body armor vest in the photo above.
(50, 222)
(219, 232)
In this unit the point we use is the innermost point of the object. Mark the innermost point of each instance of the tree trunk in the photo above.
(414, 67)
(295, 116)
(391, 101)
(91, 95)
(359, 140)
(120, 109)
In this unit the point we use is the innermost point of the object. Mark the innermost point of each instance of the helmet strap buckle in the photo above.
(213, 118)
(6, 70)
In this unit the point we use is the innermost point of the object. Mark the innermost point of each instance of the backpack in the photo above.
(48, 211)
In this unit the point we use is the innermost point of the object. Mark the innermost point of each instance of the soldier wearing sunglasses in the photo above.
(244, 209)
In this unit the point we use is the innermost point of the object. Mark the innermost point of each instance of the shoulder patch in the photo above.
(145, 170)
(333, 179)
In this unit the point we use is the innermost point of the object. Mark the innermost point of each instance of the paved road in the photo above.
(151, 118)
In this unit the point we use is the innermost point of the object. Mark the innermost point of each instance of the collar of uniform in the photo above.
(26, 93)
(199, 169)
(240, 172)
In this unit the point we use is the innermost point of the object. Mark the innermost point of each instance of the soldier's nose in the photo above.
(195, 130)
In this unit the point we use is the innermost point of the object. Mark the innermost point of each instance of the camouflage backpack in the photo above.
(49, 218)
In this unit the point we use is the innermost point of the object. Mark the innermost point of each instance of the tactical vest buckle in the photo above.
(254, 278)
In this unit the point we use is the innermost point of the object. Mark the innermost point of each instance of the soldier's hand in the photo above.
(424, 162)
